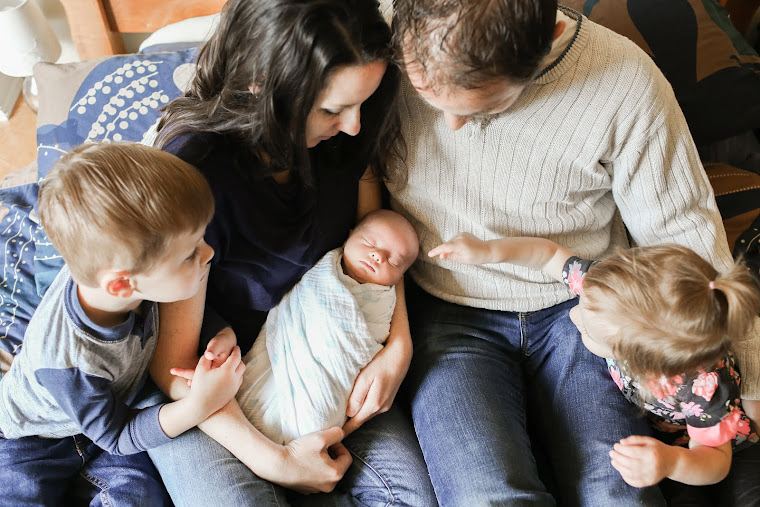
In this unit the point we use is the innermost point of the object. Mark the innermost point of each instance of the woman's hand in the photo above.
(314, 463)
(377, 384)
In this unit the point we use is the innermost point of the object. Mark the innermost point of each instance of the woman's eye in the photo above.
(331, 113)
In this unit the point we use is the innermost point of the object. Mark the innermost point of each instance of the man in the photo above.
(524, 120)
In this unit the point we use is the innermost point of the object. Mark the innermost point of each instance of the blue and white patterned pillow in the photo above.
(18, 294)
(112, 99)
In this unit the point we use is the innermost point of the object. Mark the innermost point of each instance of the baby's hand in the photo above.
(220, 347)
(213, 387)
(217, 351)
(464, 248)
(642, 461)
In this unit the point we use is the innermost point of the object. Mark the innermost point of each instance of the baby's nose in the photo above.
(377, 256)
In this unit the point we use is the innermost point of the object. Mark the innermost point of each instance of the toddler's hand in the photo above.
(642, 461)
(213, 387)
(464, 248)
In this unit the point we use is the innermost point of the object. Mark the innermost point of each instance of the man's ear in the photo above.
(118, 284)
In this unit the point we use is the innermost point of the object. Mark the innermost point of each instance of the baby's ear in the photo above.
(117, 283)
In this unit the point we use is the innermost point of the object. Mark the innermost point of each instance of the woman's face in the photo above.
(337, 108)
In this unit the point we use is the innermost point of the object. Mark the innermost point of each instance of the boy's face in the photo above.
(379, 251)
(179, 275)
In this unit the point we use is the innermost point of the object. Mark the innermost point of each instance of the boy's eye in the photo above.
(192, 256)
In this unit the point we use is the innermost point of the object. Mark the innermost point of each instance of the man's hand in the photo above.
(642, 461)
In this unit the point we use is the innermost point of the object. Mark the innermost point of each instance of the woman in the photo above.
(272, 118)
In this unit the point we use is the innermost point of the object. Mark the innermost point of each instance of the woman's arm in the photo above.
(304, 465)
(377, 384)
(645, 461)
(536, 253)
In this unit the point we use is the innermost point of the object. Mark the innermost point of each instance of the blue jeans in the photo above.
(482, 382)
(387, 469)
(46, 471)
(740, 489)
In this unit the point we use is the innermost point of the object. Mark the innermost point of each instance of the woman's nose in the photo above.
(351, 122)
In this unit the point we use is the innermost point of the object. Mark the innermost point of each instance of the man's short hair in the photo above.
(471, 43)
(119, 205)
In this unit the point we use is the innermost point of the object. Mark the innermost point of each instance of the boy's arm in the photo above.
(536, 253)
(645, 461)
(90, 402)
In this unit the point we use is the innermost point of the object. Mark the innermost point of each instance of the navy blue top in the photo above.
(265, 235)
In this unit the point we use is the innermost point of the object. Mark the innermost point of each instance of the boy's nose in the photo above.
(207, 253)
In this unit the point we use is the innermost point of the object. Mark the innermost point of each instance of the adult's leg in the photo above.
(579, 411)
(197, 470)
(121, 480)
(742, 486)
(468, 404)
(36, 471)
(388, 468)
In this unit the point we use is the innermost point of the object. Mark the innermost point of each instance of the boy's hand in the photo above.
(213, 387)
(217, 351)
(642, 461)
(464, 248)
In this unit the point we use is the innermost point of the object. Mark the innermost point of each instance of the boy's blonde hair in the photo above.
(672, 319)
(119, 205)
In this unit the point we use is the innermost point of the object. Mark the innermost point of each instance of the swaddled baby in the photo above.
(302, 367)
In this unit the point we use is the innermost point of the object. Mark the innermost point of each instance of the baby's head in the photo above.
(380, 248)
(663, 310)
(129, 209)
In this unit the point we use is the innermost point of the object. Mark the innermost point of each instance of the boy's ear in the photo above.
(118, 284)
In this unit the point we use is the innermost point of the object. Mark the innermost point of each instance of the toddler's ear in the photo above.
(118, 284)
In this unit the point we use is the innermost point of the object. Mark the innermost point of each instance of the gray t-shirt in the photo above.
(75, 377)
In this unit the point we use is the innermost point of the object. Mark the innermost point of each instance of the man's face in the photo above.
(459, 105)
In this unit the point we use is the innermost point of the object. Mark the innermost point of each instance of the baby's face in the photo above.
(379, 251)
(594, 328)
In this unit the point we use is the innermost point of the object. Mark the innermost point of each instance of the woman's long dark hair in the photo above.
(285, 51)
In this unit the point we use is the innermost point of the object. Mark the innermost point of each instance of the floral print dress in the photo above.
(702, 405)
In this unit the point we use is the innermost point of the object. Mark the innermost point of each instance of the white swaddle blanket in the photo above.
(302, 367)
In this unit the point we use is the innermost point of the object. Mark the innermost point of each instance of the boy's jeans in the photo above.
(45, 471)
(483, 382)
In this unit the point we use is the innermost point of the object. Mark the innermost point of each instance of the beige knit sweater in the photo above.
(595, 142)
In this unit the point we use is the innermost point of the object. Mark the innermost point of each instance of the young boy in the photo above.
(129, 222)
(303, 365)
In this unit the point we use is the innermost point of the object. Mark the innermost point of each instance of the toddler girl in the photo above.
(664, 318)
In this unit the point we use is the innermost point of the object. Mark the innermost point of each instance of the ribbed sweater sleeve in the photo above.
(595, 145)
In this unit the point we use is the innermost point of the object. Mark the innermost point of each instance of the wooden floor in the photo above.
(18, 139)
